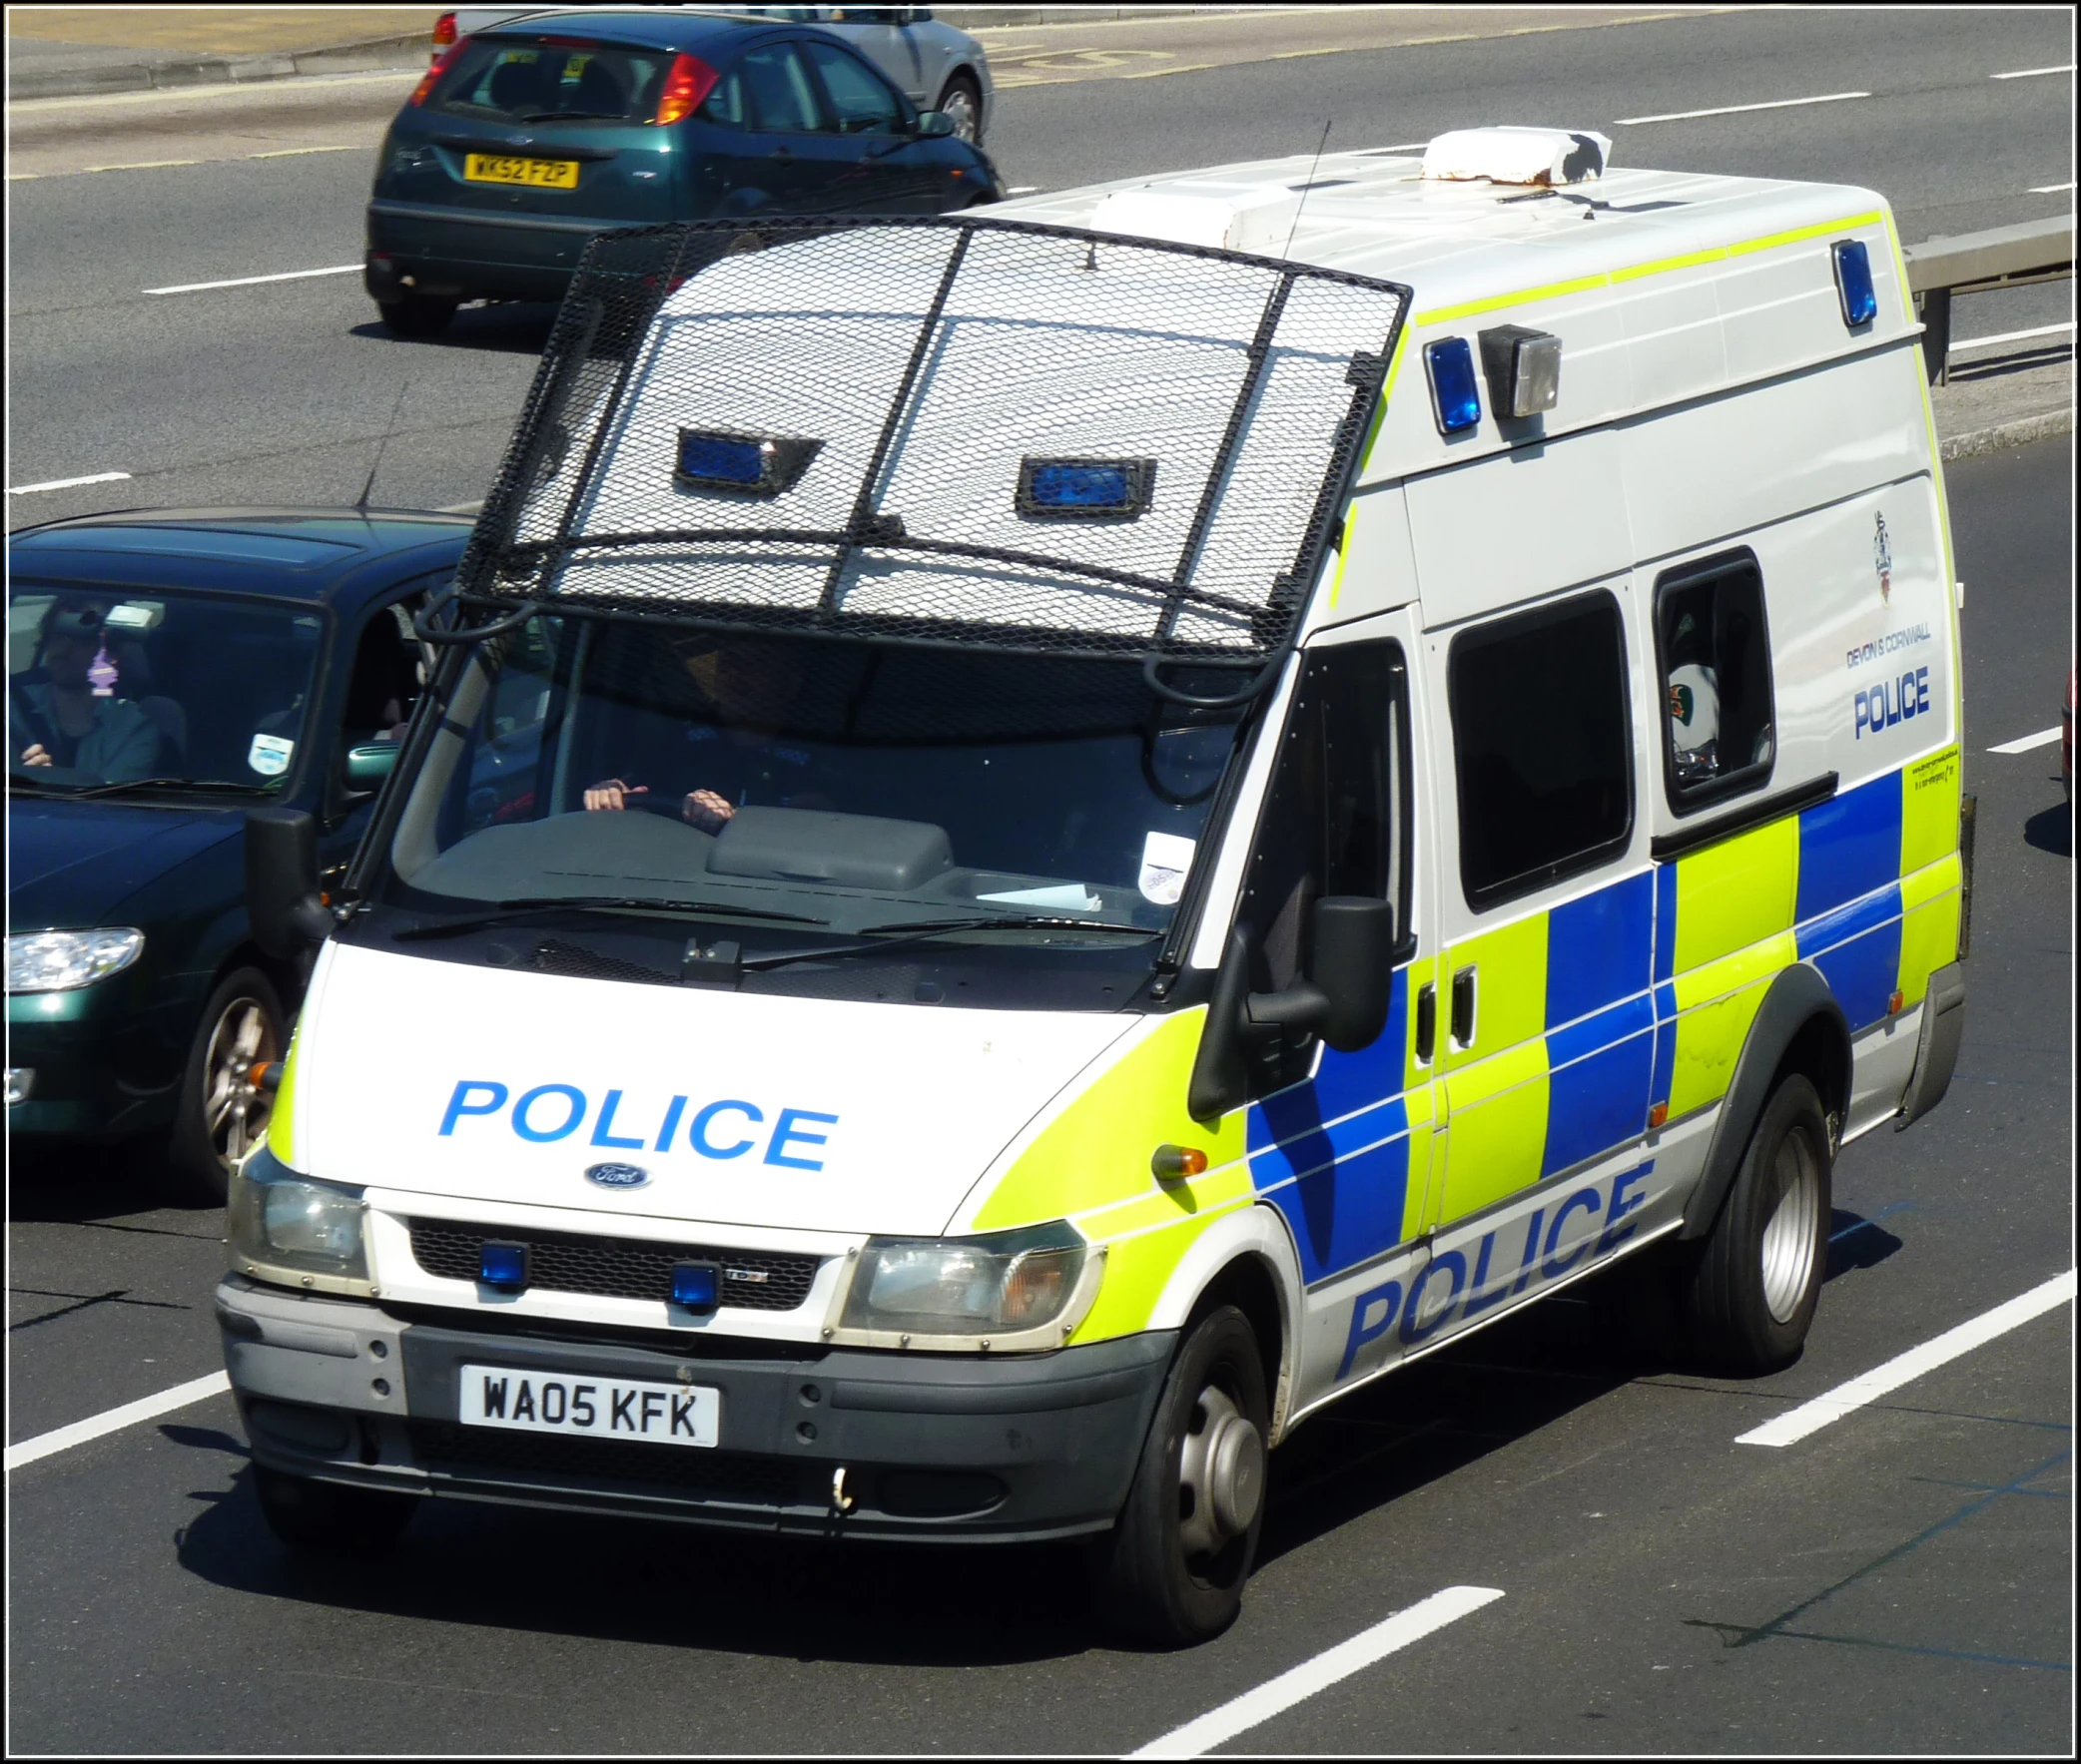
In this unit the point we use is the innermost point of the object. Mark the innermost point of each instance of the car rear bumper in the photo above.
(934, 1446)
(451, 253)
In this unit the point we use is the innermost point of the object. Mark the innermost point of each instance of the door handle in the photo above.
(1426, 1023)
(1463, 1008)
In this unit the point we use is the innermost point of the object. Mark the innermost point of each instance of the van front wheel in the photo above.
(1175, 1564)
(1757, 1278)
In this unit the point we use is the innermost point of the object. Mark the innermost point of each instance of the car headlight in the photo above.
(63, 962)
(1003, 1284)
(286, 1226)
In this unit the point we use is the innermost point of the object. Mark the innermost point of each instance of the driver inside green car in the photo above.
(71, 718)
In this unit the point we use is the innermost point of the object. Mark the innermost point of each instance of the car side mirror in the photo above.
(367, 765)
(281, 898)
(932, 123)
(1344, 999)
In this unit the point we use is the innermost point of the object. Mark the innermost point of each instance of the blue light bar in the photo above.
(1853, 281)
(1084, 489)
(1455, 398)
(753, 466)
(503, 1264)
(694, 1284)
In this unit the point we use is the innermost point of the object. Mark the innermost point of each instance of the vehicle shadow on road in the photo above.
(89, 1184)
(2051, 830)
(514, 327)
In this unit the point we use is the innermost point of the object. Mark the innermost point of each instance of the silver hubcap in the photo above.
(1220, 1474)
(1795, 1229)
(233, 1108)
(960, 108)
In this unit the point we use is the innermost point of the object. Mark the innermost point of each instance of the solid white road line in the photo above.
(2012, 336)
(2049, 189)
(1728, 110)
(2031, 73)
(111, 1421)
(250, 280)
(97, 478)
(1279, 1694)
(1809, 1417)
(2023, 743)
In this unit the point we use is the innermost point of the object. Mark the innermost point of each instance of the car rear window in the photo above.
(542, 78)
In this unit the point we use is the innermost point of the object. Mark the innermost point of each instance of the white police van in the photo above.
(1044, 841)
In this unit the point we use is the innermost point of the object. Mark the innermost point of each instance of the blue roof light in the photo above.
(695, 1285)
(1084, 489)
(1455, 396)
(1853, 281)
(503, 1264)
(755, 466)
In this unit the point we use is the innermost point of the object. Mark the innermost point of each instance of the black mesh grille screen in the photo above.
(927, 359)
(616, 1266)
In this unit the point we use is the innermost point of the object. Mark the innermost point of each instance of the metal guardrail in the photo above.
(1973, 263)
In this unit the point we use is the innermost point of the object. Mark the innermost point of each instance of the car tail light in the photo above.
(431, 78)
(445, 31)
(690, 80)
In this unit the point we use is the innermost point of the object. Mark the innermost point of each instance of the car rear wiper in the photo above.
(577, 116)
(166, 784)
(505, 910)
(885, 936)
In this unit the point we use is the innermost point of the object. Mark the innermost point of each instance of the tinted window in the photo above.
(1544, 747)
(726, 103)
(1714, 646)
(1330, 824)
(861, 101)
(781, 93)
(540, 80)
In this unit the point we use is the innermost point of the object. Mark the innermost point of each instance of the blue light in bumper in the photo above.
(1455, 398)
(1853, 281)
(503, 1264)
(694, 1284)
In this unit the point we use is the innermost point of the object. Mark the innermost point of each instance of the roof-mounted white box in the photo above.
(1548, 157)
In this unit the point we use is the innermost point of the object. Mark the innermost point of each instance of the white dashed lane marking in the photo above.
(112, 1421)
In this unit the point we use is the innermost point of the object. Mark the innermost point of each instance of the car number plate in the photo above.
(499, 167)
(596, 1408)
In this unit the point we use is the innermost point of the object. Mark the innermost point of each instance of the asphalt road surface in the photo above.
(1897, 1581)
(280, 390)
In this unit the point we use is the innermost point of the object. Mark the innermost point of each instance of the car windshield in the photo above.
(538, 78)
(854, 787)
(106, 688)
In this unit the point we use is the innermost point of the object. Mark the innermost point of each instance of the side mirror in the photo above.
(367, 766)
(281, 898)
(932, 123)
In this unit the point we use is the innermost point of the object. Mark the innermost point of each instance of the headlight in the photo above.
(965, 1286)
(63, 962)
(284, 1224)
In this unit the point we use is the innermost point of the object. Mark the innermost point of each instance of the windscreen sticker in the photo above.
(270, 753)
(1165, 856)
(1064, 897)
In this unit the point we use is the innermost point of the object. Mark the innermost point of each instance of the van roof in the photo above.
(1616, 267)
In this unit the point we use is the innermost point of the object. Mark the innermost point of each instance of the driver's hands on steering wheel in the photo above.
(33, 755)
(705, 810)
(613, 793)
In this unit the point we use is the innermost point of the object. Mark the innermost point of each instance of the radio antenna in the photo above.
(1305, 188)
(390, 429)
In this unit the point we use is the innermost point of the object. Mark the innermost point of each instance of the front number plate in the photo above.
(499, 167)
(597, 1408)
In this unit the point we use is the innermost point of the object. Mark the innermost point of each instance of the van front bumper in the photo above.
(934, 1446)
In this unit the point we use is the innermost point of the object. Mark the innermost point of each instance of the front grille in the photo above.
(702, 1474)
(616, 1266)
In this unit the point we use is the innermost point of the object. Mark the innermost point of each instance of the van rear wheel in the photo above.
(1752, 1291)
(329, 1518)
(1175, 1564)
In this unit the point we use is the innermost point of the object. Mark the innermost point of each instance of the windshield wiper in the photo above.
(506, 909)
(888, 937)
(158, 784)
(576, 116)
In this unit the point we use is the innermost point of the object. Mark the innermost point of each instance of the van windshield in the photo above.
(775, 782)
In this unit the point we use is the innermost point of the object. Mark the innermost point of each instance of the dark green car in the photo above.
(167, 671)
(525, 141)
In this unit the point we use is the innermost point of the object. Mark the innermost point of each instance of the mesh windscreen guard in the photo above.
(926, 360)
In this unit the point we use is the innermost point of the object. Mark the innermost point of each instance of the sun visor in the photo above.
(955, 430)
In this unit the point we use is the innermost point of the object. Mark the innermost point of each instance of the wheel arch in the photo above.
(1245, 1259)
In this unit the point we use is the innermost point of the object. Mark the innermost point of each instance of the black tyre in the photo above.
(1752, 1290)
(1173, 1568)
(417, 316)
(329, 1518)
(221, 1110)
(963, 103)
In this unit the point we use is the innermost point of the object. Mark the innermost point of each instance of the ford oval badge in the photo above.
(618, 1175)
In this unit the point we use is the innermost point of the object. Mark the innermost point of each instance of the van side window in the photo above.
(1712, 645)
(1336, 821)
(1544, 746)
